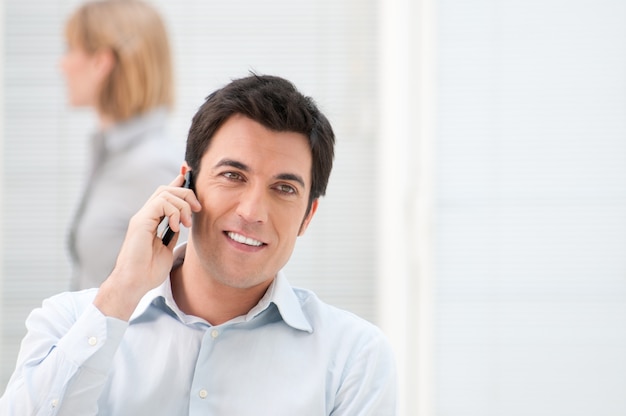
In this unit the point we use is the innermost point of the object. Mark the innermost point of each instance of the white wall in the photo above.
(530, 208)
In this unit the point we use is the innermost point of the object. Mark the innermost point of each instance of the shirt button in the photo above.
(55, 402)
(215, 333)
(92, 341)
(203, 393)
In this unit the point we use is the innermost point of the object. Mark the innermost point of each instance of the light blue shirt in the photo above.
(291, 355)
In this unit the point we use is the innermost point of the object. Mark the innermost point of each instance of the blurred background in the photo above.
(477, 208)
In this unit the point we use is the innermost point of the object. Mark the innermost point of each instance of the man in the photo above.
(213, 327)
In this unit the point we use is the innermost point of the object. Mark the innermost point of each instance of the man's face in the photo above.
(254, 186)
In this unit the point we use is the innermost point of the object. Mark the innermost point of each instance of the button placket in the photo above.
(203, 383)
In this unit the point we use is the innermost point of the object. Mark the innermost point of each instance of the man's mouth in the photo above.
(244, 240)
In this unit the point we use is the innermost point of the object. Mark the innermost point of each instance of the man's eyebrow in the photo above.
(291, 177)
(232, 164)
(242, 166)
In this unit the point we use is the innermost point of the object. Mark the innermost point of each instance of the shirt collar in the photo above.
(122, 135)
(279, 293)
(163, 291)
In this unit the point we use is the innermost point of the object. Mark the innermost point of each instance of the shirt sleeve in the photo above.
(369, 383)
(63, 361)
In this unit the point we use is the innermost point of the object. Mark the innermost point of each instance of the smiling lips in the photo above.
(244, 240)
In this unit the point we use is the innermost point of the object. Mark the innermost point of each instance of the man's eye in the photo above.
(286, 189)
(232, 175)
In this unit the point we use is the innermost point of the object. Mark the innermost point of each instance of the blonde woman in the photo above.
(118, 63)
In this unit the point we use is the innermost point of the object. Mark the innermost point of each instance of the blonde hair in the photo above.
(142, 76)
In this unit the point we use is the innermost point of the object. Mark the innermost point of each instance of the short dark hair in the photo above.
(275, 103)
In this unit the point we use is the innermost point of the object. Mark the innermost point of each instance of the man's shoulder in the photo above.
(325, 317)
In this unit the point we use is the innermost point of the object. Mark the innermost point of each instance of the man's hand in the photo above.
(144, 261)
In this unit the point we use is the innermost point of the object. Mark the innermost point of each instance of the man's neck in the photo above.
(199, 295)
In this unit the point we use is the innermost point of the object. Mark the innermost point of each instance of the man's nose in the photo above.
(253, 204)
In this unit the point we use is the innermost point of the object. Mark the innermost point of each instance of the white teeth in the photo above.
(244, 240)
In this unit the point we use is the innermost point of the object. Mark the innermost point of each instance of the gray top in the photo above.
(129, 161)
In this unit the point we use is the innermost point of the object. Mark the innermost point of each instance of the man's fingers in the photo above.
(171, 202)
(175, 188)
(178, 209)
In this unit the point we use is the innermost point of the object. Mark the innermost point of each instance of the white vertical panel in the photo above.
(423, 206)
(2, 64)
(405, 194)
(531, 208)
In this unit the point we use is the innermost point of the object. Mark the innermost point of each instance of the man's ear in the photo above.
(309, 217)
(184, 168)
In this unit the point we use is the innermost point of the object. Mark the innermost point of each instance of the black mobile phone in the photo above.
(167, 235)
